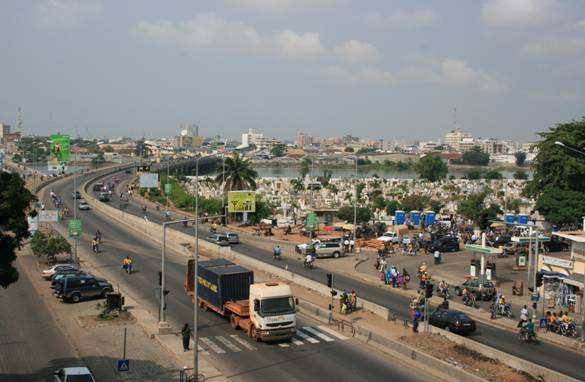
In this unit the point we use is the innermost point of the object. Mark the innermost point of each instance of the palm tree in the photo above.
(239, 174)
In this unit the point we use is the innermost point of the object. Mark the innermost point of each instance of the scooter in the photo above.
(526, 336)
(309, 264)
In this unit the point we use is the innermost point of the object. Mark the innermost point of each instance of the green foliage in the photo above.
(305, 168)
(99, 159)
(326, 177)
(331, 187)
(17, 158)
(474, 174)
(415, 202)
(263, 211)
(473, 207)
(278, 150)
(363, 162)
(493, 175)
(520, 175)
(392, 206)
(476, 157)
(558, 182)
(431, 168)
(239, 174)
(436, 205)
(349, 149)
(514, 205)
(363, 215)
(49, 246)
(298, 184)
(520, 158)
(366, 150)
(15, 201)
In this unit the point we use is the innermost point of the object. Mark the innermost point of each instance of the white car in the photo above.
(48, 273)
(83, 205)
(73, 374)
(389, 236)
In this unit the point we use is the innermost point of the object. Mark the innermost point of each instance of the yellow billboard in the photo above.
(241, 201)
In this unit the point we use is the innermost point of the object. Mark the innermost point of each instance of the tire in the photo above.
(254, 334)
(336, 255)
(104, 292)
(75, 298)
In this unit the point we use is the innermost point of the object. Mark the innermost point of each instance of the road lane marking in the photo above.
(283, 345)
(228, 344)
(332, 332)
(307, 338)
(318, 334)
(297, 341)
(201, 350)
(242, 342)
(210, 344)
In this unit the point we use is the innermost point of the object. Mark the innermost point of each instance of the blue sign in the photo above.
(123, 365)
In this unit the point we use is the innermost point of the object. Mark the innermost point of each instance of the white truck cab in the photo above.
(272, 310)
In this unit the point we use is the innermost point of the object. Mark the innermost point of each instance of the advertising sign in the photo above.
(49, 216)
(563, 263)
(33, 224)
(149, 180)
(60, 148)
(241, 201)
(74, 227)
(311, 222)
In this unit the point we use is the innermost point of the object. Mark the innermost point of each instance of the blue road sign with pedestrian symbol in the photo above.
(123, 365)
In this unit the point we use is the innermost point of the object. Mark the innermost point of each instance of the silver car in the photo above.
(233, 238)
(219, 239)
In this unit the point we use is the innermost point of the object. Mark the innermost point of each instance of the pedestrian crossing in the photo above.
(234, 343)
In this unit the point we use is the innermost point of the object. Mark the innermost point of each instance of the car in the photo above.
(48, 273)
(74, 289)
(76, 195)
(445, 244)
(389, 236)
(452, 321)
(322, 249)
(73, 374)
(83, 205)
(59, 278)
(484, 289)
(233, 237)
(219, 239)
(104, 197)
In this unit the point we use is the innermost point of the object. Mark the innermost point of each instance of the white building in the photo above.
(454, 138)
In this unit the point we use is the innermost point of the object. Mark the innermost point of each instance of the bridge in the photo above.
(207, 166)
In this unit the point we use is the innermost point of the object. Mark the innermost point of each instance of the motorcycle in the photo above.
(568, 330)
(444, 293)
(526, 336)
(468, 301)
(309, 264)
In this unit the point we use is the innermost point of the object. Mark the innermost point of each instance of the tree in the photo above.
(278, 150)
(493, 175)
(326, 178)
(15, 202)
(297, 184)
(49, 246)
(474, 174)
(363, 214)
(473, 208)
(558, 181)
(520, 175)
(392, 206)
(108, 149)
(520, 158)
(476, 157)
(415, 202)
(436, 205)
(239, 174)
(349, 149)
(431, 168)
(305, 168)
(263, 211)
(99, 159)
(366, 150)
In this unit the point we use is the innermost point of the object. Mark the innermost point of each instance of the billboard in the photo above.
(60, 148)
(241, 201)
(149, 180)
(49, 216)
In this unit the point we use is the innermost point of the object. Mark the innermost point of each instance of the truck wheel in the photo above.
(233, 322)
(75, 298)
(254, 334)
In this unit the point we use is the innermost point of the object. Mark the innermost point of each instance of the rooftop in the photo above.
(578, 236)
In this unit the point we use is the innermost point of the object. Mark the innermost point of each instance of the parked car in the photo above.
(322, 249)
(83, 205)
(75, 289)
(59, 278)
(76, 195)
(445, 244)
(452, 320)
(389, 236)
(233, 238)
(104, 197)
(73, 374)
(484, 289)
(48, 273)
(219, 239)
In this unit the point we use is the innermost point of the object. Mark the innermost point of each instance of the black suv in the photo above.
(445, 244)
(75, 289)
(485, 290)
(452, 320)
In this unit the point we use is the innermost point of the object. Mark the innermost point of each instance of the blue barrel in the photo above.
(415, 217)
(399, 217)
(429, 218)
(523, 219)
(510, 218)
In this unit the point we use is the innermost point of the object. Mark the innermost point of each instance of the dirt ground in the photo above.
(473, 362)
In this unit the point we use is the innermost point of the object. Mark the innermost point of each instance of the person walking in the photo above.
(186, 335)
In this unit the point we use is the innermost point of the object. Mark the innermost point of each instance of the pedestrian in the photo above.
(351, 245)
(186, 334)
(353, 300)
(417, 315)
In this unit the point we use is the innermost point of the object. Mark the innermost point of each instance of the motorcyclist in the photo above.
(437, 257)
(309, 259)
(94, 245)
(98, 236)
(527, 329)
(277, 252)
(443, 288)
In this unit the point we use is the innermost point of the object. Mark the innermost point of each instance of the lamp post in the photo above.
(559, 143)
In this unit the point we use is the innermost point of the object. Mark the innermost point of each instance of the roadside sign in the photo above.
(311, 221)
(123, 365)
(168, 188)
(149, 180)
(60, 148)
(241, 201)
(49, 216)
(74, 227)
(33, 224)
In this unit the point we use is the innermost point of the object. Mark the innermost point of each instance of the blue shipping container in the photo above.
(523, 219)
(400, 217)
(429, 218)
(414, 217)
(220, 281)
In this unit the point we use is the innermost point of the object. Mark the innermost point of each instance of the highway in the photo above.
(545, 354)
(310, 357)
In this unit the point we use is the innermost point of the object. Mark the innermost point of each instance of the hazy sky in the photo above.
(391, 69)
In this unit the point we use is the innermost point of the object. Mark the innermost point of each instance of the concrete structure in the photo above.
(4, 130)
(303, 139)
(454, 138)
(493, 146)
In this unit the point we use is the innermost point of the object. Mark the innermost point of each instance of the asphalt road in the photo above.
(32, 346)
(548, 355)
(309, 359)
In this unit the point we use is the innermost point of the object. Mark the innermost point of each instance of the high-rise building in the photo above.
(303, 139)
(459, 140)
(4, 131)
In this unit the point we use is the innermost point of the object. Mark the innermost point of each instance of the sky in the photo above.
(392, 69)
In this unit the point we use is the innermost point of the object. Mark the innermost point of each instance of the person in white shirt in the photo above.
(524, 314)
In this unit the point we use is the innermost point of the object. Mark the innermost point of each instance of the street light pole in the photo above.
(195, 265)
(355, 196)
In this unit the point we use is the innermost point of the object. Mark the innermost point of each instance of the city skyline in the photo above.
(328, 67)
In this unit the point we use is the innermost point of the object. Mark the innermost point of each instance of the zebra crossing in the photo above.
(306, 335)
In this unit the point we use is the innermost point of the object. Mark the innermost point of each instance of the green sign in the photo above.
(241, 201)
(311, 221)
(60, 148)
(74, 227)
(168, 188)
